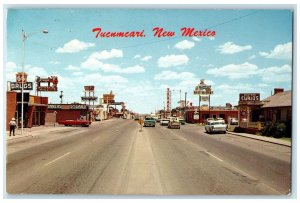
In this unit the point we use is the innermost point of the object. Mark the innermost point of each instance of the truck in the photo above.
(149, 121)
(83, 123)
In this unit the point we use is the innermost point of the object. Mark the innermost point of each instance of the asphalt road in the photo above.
(115, 157)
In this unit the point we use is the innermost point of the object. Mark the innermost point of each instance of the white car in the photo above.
(164, 121)
(216, 126)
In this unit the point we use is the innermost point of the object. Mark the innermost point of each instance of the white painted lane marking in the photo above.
(57, 159)
(214, 156)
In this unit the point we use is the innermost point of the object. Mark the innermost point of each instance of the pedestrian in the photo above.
(12, 126)
(141, 122)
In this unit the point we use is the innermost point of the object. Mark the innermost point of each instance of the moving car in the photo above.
(216, 126)
(174, 123)
(83, 123)
(164, 121)
(149, 122)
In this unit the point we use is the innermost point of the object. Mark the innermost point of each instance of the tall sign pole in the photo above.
(203, 90)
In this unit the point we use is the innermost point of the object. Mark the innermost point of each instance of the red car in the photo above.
(83, 123)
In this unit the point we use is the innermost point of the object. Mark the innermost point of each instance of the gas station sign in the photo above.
(21, 77)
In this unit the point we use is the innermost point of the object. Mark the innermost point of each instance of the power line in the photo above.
(209, 27)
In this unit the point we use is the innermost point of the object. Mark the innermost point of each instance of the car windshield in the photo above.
(217, 123)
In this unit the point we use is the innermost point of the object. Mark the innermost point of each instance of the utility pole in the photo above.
(185, 113)
(199, 109)
(61, 96)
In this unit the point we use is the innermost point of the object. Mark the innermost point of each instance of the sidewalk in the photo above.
(34, 131)
(262, 138)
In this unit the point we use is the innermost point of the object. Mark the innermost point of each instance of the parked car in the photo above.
(97, 118)
(216, 126)
(234, 121)
(149, 122)
(164, 121)
(83, 123)
(174, 123)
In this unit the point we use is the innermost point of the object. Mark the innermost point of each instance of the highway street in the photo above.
(115, 157)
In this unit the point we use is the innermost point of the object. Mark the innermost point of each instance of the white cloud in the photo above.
(263, 53)
(77, 73)
(234, 71)
(133, 69)
(276, 74)
(74, 46)
(137, 56)
(11, 66)
(231, 48)
(72, 68)
(197, 39)
(170, 75)
(91, 64)
(211, 38)
(54, 62)
(104, 55)
(281, 51)
(146, 58)
(94, 65)
(251, 57)
(172, 60)
(185, 44)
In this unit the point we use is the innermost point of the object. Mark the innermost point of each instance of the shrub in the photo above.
(276, 130)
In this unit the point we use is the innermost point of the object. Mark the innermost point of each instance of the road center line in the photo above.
(214, 156)
(57, 159)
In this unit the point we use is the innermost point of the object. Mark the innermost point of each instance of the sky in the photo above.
(250, 53)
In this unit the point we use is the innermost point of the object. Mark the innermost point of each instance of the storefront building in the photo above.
(34, 109)
(192, 114)
(254, 113)
(57, 112)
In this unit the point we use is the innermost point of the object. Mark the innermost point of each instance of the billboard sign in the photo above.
(18, 86)
(51, 84)
(89, 88)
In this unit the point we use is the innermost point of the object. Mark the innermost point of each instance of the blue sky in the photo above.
(251, 52)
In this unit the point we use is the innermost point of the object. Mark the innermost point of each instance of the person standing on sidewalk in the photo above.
(12, 126)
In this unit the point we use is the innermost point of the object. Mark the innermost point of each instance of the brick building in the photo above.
(34, 110)
(192, 113)
(57, 112)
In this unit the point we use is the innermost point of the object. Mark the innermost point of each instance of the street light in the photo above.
(24, 37)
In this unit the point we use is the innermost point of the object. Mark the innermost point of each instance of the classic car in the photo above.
(174, 123)
(149, 121)
(83, 123)
(164, 121)
(216, 126)
(234, 121)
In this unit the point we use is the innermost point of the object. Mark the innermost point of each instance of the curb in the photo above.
(256, 138)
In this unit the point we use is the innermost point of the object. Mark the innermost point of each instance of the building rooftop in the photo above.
(278, 100)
